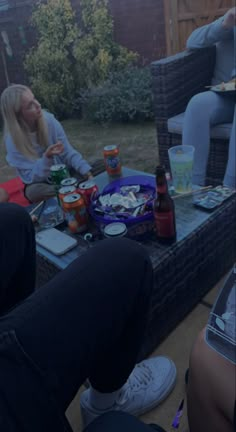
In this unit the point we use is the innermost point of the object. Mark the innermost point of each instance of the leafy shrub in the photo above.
(96, 52)
(50, 64)
(125, 96)
(70, 56)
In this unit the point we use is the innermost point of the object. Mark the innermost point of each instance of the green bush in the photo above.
(50, 64)
(96, 52)
(125, 96)
(70, 56)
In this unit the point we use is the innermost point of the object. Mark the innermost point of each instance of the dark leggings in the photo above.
(17, 256)
(87, 322)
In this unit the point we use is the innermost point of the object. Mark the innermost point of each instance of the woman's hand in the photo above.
(230, 19)
(54, 149)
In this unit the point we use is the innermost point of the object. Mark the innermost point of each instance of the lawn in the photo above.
(137, 143)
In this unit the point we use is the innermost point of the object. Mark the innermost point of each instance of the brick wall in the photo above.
(15, 22)
(138, 25)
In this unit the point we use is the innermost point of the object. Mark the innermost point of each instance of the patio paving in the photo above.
(177, 346)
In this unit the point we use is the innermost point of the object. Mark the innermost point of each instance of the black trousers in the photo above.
(87, 322)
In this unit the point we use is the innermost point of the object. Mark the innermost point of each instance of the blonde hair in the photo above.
(15, 125)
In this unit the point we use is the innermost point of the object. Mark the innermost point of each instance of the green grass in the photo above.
(138, 147)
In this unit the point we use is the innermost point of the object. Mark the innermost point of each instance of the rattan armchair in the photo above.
(175, 80)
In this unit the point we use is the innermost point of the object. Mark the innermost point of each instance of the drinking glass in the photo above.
(181, 163)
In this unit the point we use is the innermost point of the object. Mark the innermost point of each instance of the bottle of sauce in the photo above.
(164, 210)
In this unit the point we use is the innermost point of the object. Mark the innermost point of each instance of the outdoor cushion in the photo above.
(221, 131)
(15, 189)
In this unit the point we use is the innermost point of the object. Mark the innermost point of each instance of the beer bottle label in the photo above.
(165, 224)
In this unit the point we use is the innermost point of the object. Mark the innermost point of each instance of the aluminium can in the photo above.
(88, 189)
(112, 160)
(115, 229)
(65, 190)
(75, 213)
(58, 173)
(70, 181)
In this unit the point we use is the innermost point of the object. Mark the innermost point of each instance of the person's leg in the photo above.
(230, 177)
(96, 309)
(39, 191)
(211, 390)
(17, 256)
(4, 197)
(117, 421)
(204, 111)
(89, 322)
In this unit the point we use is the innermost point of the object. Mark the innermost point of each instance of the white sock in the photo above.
(102, 401)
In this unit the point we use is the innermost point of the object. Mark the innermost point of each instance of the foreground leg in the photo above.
(89, 321)
(204, 111)
(17, 256)
(120, 421)
(211, 390)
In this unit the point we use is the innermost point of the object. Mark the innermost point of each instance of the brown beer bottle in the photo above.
(164, 210)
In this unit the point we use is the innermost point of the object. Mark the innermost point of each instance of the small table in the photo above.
(183, 272)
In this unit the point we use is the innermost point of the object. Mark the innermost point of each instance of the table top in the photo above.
(189, 219)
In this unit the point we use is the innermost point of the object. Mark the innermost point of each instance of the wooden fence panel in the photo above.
(183, 16)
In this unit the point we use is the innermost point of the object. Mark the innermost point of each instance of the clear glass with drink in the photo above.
(181, 163)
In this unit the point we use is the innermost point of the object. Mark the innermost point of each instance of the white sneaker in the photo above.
(150, 383)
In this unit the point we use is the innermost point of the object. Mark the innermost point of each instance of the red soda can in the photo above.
(88, 189)
(75, 213)
(112, 160)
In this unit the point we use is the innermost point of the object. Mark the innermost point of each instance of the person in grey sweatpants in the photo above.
(208, 108)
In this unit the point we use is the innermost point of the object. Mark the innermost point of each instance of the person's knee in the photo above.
(39, 192)
(4, 197)
(197, 105)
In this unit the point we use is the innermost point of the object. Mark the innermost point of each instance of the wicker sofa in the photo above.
(175, 80)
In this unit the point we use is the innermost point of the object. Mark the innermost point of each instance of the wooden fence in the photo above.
(183, 16)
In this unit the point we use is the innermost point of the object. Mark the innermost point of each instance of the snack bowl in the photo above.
(138, 193)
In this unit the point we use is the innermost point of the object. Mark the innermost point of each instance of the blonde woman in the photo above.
(34, 140)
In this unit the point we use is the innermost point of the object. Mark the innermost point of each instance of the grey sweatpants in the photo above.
(205, 110)
(39, 191)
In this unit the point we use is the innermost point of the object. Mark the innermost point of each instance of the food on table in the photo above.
(127, 202)
(229, 86)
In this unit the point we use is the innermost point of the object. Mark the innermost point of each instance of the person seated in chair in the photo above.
(35, 141)
(88, 322)
(209, 108)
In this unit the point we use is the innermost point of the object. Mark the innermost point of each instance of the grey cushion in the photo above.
(221, 131)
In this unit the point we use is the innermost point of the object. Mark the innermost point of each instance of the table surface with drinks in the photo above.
(188, 218)
(200, 229)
